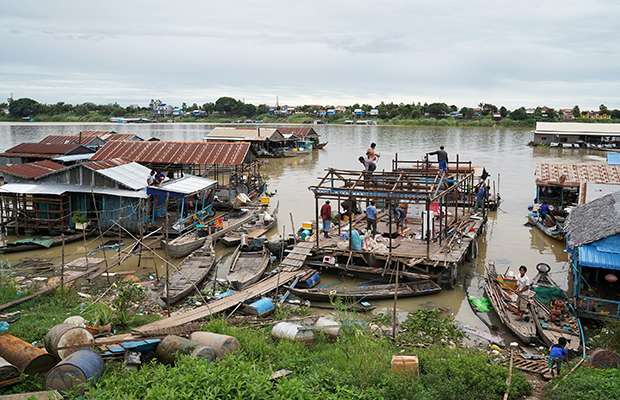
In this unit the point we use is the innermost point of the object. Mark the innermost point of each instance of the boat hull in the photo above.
(246, 268)
(557, 233)
(375, 292)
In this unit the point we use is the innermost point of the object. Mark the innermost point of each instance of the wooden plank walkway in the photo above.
(290, 268)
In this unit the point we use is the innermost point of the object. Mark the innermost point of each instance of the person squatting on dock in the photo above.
(371, 218)
(523, 291)
(371, 154)
(150, 181)
(557, 354)
(369, 165)
(326, 216)
(442, 157)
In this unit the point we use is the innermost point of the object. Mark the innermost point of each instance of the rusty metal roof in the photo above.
(176, 152)
(300, 132)
(38, 148)
(575, 174)
(247, 134)
(104, 164)
(32, 170)
(87, 137)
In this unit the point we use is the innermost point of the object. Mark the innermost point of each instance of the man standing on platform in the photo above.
(371, 218)
(442, 157)
(371, 154)
(326, 216)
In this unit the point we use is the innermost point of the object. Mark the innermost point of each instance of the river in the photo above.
(504, 153)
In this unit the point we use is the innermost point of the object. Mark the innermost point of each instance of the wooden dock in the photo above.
(290, 268)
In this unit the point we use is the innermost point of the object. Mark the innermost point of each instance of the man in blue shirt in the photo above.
(399, 217)
(371, 218)
(480, 198)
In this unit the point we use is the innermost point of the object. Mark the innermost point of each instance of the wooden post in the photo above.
(167, 259)
(428, 229)
(105, 258)
(316, 213)
(62, 264)
(395, 298)
(509, 375)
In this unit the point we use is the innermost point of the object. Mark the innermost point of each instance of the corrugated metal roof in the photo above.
(589, 256)
(187, 185)
(575, 174)
(96, 133)
(299, 132)
(613, 158)
(68, 139)
(58, 189)
(209, 153)
(88, 137)
(132, 175)
(590, 191)
(74, 157)
(32, 170)
(103, 164)
(578, 128)
(38, 148)
(251, 134)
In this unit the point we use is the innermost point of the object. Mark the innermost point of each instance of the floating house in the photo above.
(266, 142)
(577, 134)
(593, 242)
(93, 139)
(233, 165)
(566, 185)
(306, 134)
(30, 152)
(40, 196)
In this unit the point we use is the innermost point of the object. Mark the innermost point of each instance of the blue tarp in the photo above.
(613, 158)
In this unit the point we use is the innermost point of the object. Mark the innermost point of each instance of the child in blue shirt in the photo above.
(557, 353)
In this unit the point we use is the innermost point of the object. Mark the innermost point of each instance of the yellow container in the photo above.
(405, 363)
(508, 282)
(306, 225)
(264, 200)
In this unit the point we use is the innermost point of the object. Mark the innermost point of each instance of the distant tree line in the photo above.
(228, 106)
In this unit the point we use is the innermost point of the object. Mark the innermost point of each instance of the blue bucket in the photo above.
(75, 372)
(260, 307)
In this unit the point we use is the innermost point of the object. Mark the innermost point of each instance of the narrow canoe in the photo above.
(505, 306)
(374, 292)
(246, 267)
(234, 238)
(556, 232)
(190, 273)
(320, 145)
(554, 322)
(28, 245)
(183, 245)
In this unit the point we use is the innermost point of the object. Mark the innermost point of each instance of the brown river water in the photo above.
(504, 153)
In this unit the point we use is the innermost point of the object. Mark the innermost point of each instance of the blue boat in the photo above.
(556, 231)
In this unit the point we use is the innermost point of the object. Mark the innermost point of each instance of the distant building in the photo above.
(576, 133)
(341, 109)
(374, 112)
(331, 111)
(177, 112)
(162, 111)
(358, 112)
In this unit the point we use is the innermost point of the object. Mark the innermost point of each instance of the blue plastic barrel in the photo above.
(75, 372)
(305, 233)
(260, 307)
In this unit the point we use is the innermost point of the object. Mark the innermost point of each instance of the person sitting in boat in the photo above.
(546, 215)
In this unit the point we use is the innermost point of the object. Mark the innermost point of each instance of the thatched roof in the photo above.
(594, 221)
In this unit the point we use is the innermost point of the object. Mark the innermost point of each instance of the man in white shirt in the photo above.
(523, 291)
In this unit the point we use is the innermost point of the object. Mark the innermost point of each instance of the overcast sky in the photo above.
(512, 53)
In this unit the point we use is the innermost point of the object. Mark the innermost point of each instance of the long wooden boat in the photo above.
(550, 318)
(234, 238)
(320, 145)
(183, 245)
(246, 267)
(44, 242)
(362, 306)
(296, 153)
(504, 303)
(373, 292)
(190, 273)
(556, 232)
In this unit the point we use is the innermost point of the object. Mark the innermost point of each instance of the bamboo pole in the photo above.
(167, 258)
(509, 374)
(62, 264)
(395, 299)
(105, 258)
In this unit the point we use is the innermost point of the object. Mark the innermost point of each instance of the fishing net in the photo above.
(482, 304)
(548, 294)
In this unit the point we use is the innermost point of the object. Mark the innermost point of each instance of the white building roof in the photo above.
(577, 128)
(54, 189)
(131, 175)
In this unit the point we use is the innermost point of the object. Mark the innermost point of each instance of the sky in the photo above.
(512, 53)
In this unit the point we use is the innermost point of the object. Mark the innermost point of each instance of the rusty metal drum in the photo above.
(222, 345)
(26, 357)
(75, 372)
(67, 335)
(7, 370)
(171, 347)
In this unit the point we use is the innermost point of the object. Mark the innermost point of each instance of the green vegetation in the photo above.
(587, 383)
(356, 366)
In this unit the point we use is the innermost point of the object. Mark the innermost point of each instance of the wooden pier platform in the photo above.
(290, 268)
